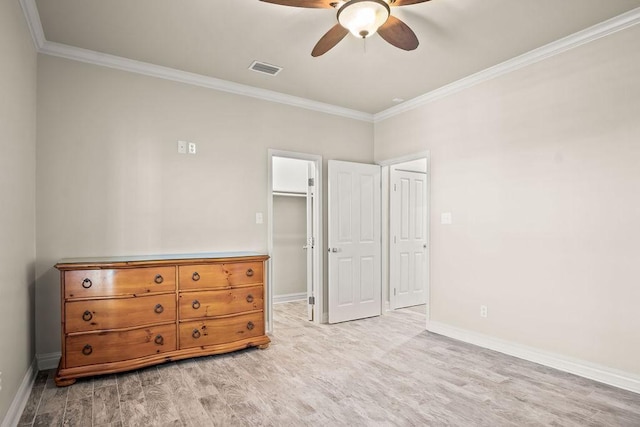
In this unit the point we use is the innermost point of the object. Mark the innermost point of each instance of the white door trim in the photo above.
(318, 288)
(386, 164)
(407, 158)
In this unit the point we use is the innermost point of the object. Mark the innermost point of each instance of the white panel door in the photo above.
(354, 241)
(408, 234)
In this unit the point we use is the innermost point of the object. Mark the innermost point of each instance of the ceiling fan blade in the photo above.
(329, 40)
(397, 33)
(321, 4)
(405, 2)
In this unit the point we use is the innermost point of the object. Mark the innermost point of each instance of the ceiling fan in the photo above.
(363, 18)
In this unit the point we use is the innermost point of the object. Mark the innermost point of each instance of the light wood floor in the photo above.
(383, 371)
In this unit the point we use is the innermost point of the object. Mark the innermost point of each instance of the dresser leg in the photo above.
(64, 382)
(263, 346)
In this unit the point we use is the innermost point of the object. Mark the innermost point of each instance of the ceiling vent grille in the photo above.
(264, 68)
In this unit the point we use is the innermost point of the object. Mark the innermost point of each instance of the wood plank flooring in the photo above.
(383, 371)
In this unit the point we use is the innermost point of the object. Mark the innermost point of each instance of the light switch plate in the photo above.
(259, 219)
(182, 147)
(446, 218)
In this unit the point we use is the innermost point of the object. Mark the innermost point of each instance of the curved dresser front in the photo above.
(123, 313)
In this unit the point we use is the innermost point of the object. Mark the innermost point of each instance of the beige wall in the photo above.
(541, 171)
(110, 181)
(289, 237)
(17, 193)
(538, 167)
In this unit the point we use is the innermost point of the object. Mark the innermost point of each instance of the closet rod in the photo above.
(289, 193)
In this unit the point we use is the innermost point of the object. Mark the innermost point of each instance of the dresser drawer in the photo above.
(193, 305)
(221, 331)
(91, 315)
(201, 276)
(91, 349)
(124, 281)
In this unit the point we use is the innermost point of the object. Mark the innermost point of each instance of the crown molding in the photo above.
(603, 29)
(46, 47)
(166, 73)
(30, 11)
(590, 34)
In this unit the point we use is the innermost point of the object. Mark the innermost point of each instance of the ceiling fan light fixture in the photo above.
(363, 17)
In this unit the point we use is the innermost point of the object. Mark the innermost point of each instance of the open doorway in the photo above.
(294, 240)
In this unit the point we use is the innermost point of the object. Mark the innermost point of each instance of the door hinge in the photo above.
(395, 239)
(394, 292)
(312, 300)
(312, 182)
(395, 187)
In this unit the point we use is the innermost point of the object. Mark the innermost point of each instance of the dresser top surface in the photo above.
(71, 263)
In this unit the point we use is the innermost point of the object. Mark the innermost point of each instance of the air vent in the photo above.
(264, 68)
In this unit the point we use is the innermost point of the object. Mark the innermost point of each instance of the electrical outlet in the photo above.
(483, 311)
(192, 148)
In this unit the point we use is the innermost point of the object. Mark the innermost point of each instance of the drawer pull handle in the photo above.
(86, 283)
(87, 350)
(250, 326)
(250, 272)
(195, 277)
(196, 334)
(158, 308)
(195, 304)
(249, 298)
(86, 316)
(158, 279)
(159, 340)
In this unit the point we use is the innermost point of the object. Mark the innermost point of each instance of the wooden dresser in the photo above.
(124, 313)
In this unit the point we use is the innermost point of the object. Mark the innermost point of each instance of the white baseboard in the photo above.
(278, 299)
(21, 398)
(592, 371)
(48, 360)
(387, 307)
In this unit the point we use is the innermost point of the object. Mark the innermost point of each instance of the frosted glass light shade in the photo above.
(363, 17)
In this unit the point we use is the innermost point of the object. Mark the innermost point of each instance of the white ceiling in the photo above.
(220, 39)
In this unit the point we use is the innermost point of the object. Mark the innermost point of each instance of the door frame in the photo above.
(386, 243)
(317, 280)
